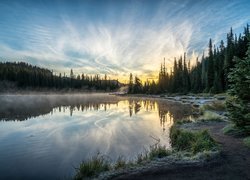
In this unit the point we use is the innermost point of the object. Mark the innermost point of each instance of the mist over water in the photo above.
(50, 134)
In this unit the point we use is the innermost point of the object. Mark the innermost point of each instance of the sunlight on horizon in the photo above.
(114, 38)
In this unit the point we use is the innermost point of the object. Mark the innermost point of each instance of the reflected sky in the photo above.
(52, 143)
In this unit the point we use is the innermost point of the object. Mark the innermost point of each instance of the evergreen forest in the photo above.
(210, 74)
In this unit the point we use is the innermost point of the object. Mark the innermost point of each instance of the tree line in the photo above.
(25, 75)
(209, 74)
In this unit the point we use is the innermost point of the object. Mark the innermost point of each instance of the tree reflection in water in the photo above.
(18, 110)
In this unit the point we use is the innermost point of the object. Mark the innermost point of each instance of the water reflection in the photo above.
(20, 108)
(23, 107)
(167, 113)
(60, 131)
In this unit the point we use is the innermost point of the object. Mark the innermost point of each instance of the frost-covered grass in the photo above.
(190, 141)
(233, 130)
(214, 106)
(210, 116)
(185, 144)
(92, 167)
(100, 163)
(246, 141)
(155, 151)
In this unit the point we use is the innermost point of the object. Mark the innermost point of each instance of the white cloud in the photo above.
(129, 44)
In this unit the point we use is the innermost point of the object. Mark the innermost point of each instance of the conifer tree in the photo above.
(239, 104)
(130, 84)
(210, 70)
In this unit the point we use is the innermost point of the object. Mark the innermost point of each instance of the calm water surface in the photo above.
(46, 136)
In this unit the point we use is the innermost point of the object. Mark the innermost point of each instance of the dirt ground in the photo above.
(234, 162)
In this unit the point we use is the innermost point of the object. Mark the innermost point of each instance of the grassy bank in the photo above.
(100, 163)
(184, 144)
(194, 142)
(246, 141)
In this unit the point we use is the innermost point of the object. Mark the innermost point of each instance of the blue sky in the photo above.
(114, 37)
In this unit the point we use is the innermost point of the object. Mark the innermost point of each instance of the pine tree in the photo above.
(239, 104)
(210, 70)
(130, 85)
(229, 55)
(137, 85)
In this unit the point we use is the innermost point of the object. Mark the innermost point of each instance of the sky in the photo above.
(114, 37)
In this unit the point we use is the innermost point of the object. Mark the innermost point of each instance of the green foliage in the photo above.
(232, 129)
(209, 75)
(120, 163)
(203, 142)
(154, 151)
(92, 167)
(229, 129)
(135, 87)
(239, 113)
(214, 106)
(130, 85)
(239, 78)
(98, 163)
(210, 116)
(238, 105)
(28, 76)
(183, 140)
(246, 141)
(141, 157)
(158, 151)
(210, 67)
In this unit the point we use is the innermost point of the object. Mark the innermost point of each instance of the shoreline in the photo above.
(175, 160)
(231, 162)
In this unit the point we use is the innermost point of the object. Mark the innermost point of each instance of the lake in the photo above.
(46, 136)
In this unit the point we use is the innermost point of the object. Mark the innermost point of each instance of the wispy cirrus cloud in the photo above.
(115, 38)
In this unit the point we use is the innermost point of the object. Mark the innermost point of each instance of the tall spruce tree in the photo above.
(239, 104)
(210, 70)
(130, 84)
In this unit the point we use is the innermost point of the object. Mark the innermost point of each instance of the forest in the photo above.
(25, 75)
(208, 75)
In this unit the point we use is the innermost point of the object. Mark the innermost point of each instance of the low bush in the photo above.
(92, 167)
(232, 129)
(158, 151)
(203, 142)
(214, 106)
(210, 116)
(120, 163)
(98, 164)
(154, 151)
(183, 140)
(246, 141)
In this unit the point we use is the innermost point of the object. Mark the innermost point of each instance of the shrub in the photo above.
(158, 151)
(203, 142)
(229, 129)
(92, 167)
(214, 106)
(154, 151)
(194, 142)
(239, 104)
(181, 140)
(246, 141)
(239, 113)
(210, 116)
(120, 163)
